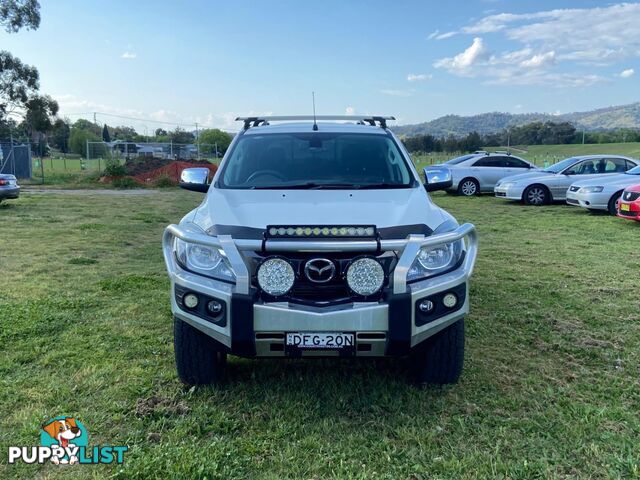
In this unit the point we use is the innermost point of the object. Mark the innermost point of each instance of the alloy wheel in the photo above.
(536, 196)
(469, 188)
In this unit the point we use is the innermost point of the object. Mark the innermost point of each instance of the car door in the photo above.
(514, 166)
(488, 170)
(614, 165)
(584, 170)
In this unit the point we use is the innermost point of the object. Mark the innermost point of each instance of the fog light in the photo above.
(214, 307)
(426, 306)
(190, 300)
(450, 300)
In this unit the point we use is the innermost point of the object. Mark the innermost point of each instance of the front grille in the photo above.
(573, 201)
(574, 189)
(501, 194)
(321, 294)
(631, 196)
(628, 214)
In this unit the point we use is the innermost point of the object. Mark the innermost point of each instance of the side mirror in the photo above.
(195, 179)
(437, 178)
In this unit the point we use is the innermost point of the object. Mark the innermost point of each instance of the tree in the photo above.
(181, 136)
(78, 140)
(105, 134)
(212, 137)
(59, 135)
(17, 14)
(19, 82)
(161, 132)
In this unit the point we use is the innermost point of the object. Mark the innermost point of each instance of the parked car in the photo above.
(318, 240)
(9, 187)
(602, 193)
(480, 171)
(629, 203)
(551, 184)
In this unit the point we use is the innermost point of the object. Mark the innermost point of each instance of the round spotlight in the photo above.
(214, 307)
(276, 276)
(426, 306)
(190, 300)
(365, 276)
(450, 300)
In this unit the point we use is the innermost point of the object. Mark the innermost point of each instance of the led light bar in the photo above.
(321, 231)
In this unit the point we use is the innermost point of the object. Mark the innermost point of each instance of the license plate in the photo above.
(624, 206)
(320, 340)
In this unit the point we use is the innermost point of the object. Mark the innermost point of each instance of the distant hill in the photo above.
(609, 118)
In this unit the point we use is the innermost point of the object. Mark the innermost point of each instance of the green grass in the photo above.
(550, 387)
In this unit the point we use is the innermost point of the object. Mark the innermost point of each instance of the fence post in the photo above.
(98, 165)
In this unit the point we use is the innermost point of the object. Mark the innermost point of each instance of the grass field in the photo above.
(550, 388)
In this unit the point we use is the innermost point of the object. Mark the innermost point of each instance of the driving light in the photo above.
(208, 261)
(591, 189)
(276, 276)
(433, 260)
(321, 231)
(426, 306)
(190, 300)
(450, 300)
(365, 276)
(214, 307)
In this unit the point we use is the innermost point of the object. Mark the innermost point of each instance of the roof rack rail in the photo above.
(361, 119)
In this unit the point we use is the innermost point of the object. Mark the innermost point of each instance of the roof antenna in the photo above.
(313, 99)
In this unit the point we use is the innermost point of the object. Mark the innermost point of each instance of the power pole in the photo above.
(583, 137)
(94, 118)
(198, 140)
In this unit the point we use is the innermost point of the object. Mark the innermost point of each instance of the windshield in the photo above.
(634, 171)
(457, 160)
(558, 167)
(315, 160)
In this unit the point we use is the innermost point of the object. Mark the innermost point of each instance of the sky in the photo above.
(210, 61)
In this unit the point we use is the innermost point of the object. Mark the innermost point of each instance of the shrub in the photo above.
(125, 182)
(164, 182)
(114, 169)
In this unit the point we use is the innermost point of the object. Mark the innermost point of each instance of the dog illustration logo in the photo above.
(64, 435)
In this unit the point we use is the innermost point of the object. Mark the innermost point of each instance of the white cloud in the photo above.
(629, 72)
(349, 110)
(462, 63)
(128, 55)
(560, 47)
(540, 60)
(433, 34)
(396, 93)
(442, 36)
(419, 77)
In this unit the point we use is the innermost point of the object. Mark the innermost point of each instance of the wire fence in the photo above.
(123, 151)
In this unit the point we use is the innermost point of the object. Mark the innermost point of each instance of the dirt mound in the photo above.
(172, 170)
(148, 170)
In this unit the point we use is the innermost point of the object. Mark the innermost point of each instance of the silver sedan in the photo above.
(602, 193)
(551, 184)
(479, 172)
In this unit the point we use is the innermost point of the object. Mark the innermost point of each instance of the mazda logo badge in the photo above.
(320, 270)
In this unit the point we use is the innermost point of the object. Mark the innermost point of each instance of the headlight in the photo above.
(208, 261)
(433, 260)
(365, 276)
(591, 189)
(276, 276)
(505, 184)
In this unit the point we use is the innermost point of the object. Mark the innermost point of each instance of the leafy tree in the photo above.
(212, 137)
(81, 132)
(161, 132)
(59, 135)
(38, 116)
(105, 134)
(18, 83)
(128, 134)
(181, 136)
(17, 14)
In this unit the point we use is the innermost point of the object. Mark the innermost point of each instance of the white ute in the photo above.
(317, 237)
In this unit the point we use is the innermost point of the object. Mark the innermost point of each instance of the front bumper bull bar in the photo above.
(394, 316)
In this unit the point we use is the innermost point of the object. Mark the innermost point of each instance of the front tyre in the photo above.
(439, 359)
(199, 361)
(536, 195)
(611, 207)
(469, 187)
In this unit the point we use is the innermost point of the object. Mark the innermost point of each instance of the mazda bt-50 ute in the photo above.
(317, 237)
